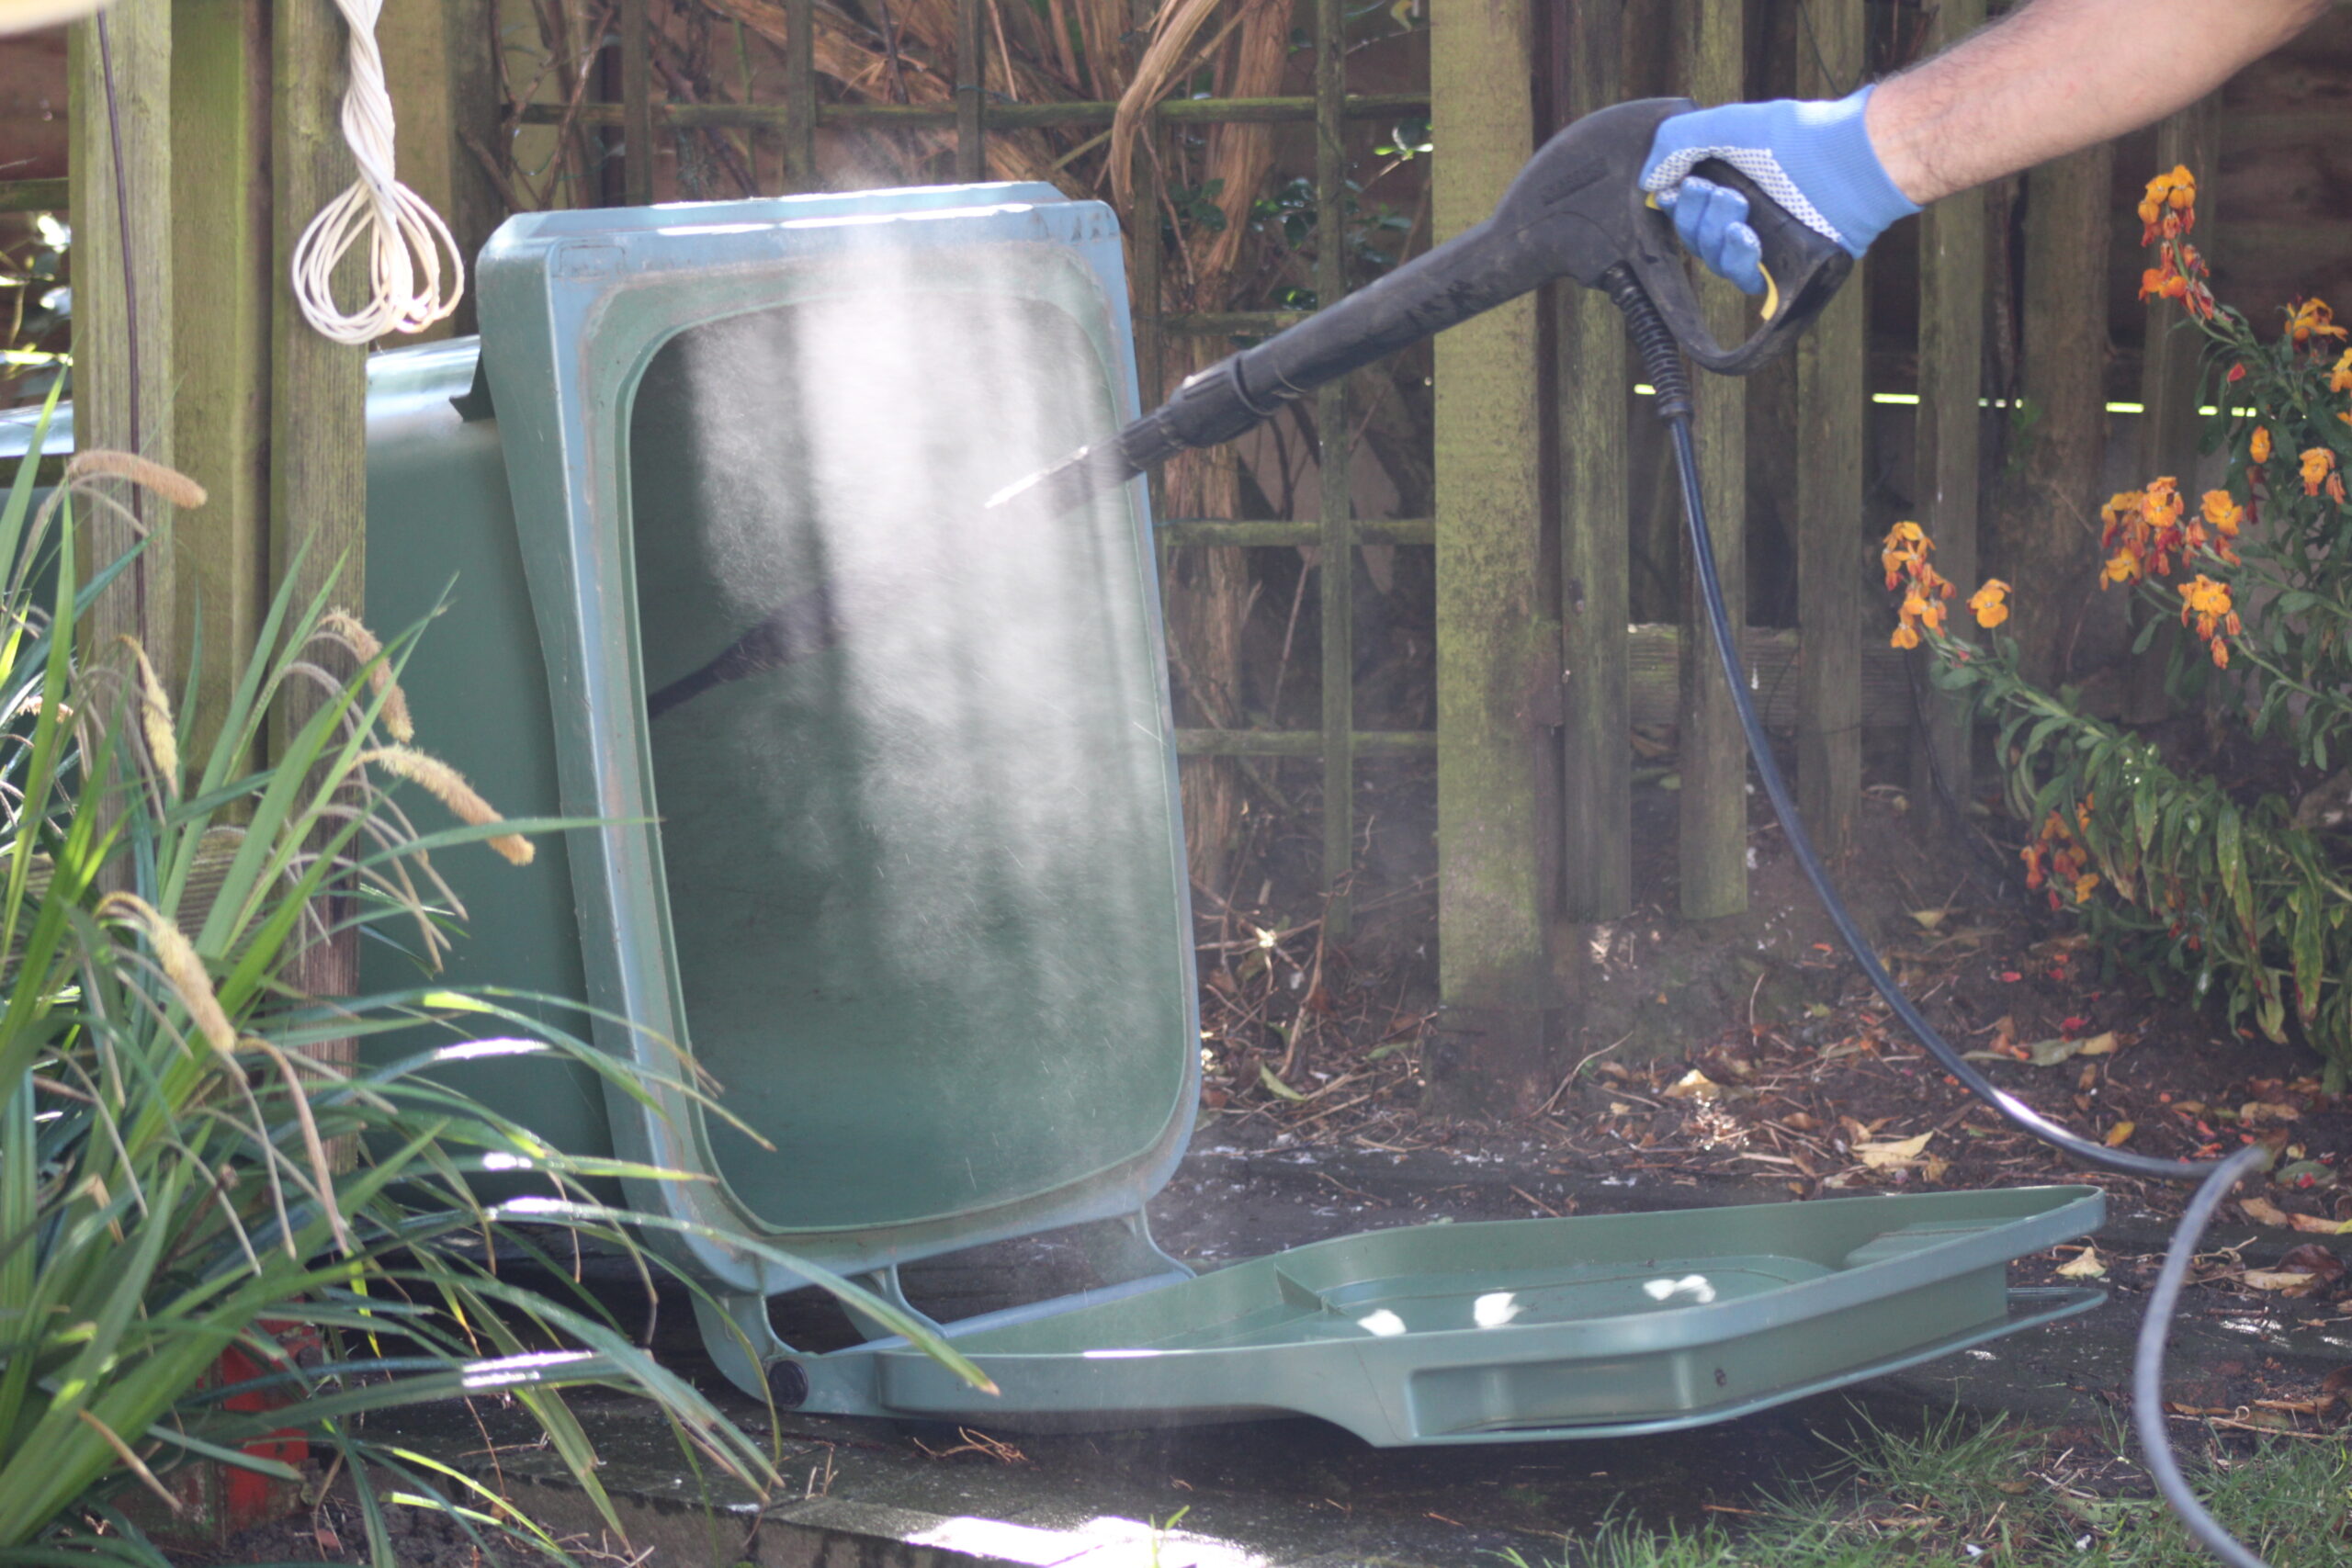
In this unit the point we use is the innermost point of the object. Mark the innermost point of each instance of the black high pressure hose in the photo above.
(1662, 361)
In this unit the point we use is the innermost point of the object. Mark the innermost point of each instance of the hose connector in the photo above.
(1661, 356)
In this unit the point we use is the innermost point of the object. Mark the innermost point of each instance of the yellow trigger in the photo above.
(1771, 292)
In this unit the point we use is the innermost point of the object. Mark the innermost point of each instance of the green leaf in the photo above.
(1276, 1086)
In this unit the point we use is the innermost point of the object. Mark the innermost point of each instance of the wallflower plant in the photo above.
(2176, 877)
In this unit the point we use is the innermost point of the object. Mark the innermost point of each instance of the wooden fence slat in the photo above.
(318, 490)
(220, 281)
(2048, 521)
(1489, 625)
(800, 94)
(1832, 403)
(35, 195)
(445, 112)
(1949, 425)
(637, 105)
(1597, 773)
(1713, 838)
(972, 91)
(2169, 374)
(122, 304)
(1334, 460)
(1000, 116)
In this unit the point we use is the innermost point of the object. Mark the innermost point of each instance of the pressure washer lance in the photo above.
(1577, 211)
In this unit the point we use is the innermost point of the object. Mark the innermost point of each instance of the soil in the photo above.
(1797, 1062)
(1744, 1061)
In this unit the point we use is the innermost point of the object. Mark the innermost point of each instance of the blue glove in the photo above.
(1814, 159)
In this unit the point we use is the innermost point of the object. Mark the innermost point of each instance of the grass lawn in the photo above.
(2000, 1494)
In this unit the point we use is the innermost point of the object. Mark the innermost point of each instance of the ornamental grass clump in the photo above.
(2248, 900)
(191, 1161)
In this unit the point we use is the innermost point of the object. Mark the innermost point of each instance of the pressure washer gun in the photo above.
(1576, 210)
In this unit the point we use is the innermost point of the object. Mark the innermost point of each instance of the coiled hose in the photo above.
(1661, 360)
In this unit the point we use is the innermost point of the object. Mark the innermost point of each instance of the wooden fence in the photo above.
(1540, 673)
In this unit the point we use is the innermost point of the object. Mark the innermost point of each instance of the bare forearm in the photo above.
(2060, 76)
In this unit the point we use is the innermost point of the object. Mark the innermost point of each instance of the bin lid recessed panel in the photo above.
(892, 846)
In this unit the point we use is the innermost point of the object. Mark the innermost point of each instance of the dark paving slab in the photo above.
(1297, 1494)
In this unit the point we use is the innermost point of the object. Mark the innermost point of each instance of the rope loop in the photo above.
(406, 240)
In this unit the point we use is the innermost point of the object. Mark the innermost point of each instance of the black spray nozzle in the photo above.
(1574, 211)
(1211, 408)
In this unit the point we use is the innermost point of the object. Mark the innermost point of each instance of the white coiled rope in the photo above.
(406, 239)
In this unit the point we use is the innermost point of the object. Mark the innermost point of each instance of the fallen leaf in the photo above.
(1928, 919)
(2263, 1212)
(2254, 1110)
(1618, 1108)
(2119, 1134)
(2286, 1282)
(1892, 1155)
(2050, 1053)
(1693, 1084)
(1276, 1086)
(2087, 1265)
(2311, 1259)
(2336, 1384)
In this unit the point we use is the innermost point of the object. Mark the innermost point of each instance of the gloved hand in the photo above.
(1814, 159)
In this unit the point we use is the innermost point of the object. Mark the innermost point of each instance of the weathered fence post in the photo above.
(1596, 776)
(2168, 375)
(121, 68)
(1831, 404)
(1498, 642)
(1336, 584)
(1714, 837)
(2048, 523)
(220, 284)
(1949, 426)
(318, 406)
(447, 103)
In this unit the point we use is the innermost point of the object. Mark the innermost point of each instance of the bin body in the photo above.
(910, 892)
(441, 544)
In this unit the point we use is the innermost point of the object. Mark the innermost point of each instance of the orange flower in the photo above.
(2339, 379)
(2122, 511)
(2223, 514)
(1906, 635)
(2310, 319)
(2162, 282)
(2260, 450)
(2208, 601)
(2122, 567)
(1907, 546)
(1991, 603)
(2318, 464)
(2168, 206)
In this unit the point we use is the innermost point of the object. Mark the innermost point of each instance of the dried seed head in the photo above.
(169, 483)
(176, 955)
(347, 625)
(155, 719)
(448, 786)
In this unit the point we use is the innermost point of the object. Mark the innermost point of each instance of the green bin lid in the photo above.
(906, 877)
